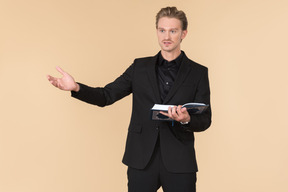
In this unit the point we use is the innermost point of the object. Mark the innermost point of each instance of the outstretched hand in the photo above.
(66, 83)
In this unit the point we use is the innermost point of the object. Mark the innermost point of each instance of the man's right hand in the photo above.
(66, 83)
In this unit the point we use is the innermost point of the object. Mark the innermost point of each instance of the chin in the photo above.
(168, 49)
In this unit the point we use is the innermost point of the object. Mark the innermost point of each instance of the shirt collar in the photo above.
(178, 60)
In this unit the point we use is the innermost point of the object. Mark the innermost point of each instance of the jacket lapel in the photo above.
(184, 70)
(151, 72)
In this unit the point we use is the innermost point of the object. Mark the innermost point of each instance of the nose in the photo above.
(167, 35)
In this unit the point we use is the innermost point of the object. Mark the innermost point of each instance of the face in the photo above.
(170, 34)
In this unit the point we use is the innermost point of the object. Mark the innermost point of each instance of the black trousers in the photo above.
(155, 175)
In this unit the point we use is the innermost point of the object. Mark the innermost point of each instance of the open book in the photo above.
(193, 108)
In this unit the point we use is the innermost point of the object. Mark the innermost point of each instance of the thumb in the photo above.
(60, 70)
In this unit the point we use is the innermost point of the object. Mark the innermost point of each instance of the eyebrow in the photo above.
(175, 29)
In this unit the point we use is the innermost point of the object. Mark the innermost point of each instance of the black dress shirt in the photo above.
(166, 73)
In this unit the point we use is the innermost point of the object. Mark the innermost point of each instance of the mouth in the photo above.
(167, 43)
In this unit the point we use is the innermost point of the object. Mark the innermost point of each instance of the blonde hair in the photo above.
(173, 12)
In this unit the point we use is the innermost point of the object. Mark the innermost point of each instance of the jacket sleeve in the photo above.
(203, 121)
(112, 92)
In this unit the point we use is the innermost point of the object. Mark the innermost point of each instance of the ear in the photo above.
(183, 35)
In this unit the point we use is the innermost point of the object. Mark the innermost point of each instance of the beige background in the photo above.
(51, 142)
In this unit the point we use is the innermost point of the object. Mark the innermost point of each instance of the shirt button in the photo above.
(167, 83)
(157, 128)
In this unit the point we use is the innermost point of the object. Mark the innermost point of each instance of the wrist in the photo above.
(77, 87)
(186, 121)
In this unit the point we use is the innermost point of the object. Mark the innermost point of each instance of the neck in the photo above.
(169, 56)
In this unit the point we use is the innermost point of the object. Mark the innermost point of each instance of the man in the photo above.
(157, 153)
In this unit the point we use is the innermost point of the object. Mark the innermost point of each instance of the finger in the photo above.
(184, 110)
(179, 110)
(175, 110)
(60, 70)
(164, 113)
(170, 112)
(174, 113)
(54, 81)
(50, 78)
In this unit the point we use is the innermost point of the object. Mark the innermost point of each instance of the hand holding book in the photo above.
(159, 111)
(177, 113)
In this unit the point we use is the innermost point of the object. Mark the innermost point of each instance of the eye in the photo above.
(173, 31)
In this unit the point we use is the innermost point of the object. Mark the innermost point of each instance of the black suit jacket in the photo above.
(176, 142)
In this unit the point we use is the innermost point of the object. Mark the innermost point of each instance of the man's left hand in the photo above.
(178, 113)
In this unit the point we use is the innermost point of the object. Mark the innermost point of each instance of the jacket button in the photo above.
(157, 128)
